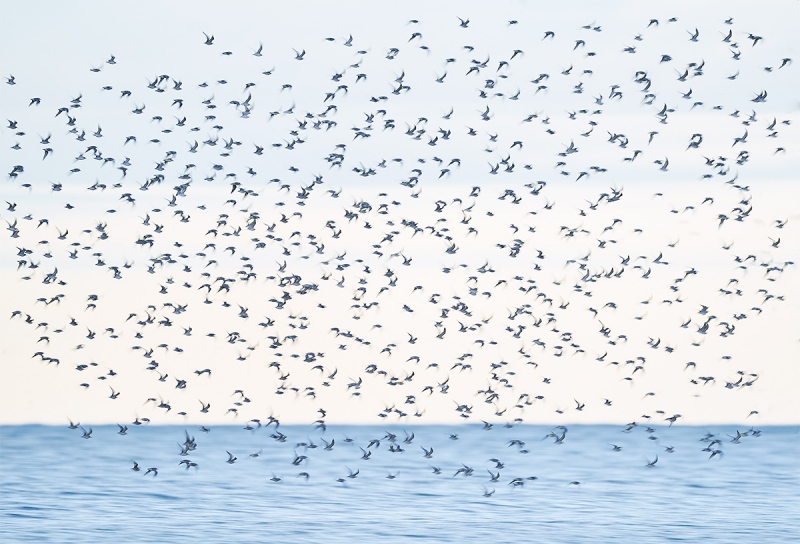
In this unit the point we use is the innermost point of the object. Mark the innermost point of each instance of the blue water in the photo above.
(59, 487)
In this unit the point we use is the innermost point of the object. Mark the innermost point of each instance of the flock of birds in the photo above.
(272, 242)
(291, 460)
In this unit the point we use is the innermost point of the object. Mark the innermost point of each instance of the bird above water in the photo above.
(322, 234)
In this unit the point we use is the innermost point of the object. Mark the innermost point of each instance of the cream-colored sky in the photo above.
(587, 294)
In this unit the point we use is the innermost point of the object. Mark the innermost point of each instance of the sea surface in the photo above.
(551, 484)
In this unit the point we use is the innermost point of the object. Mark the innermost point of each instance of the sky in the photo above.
(364, 215)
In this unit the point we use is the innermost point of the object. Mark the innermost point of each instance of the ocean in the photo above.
(468, 483)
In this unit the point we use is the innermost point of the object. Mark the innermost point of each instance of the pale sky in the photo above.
(585, 314)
